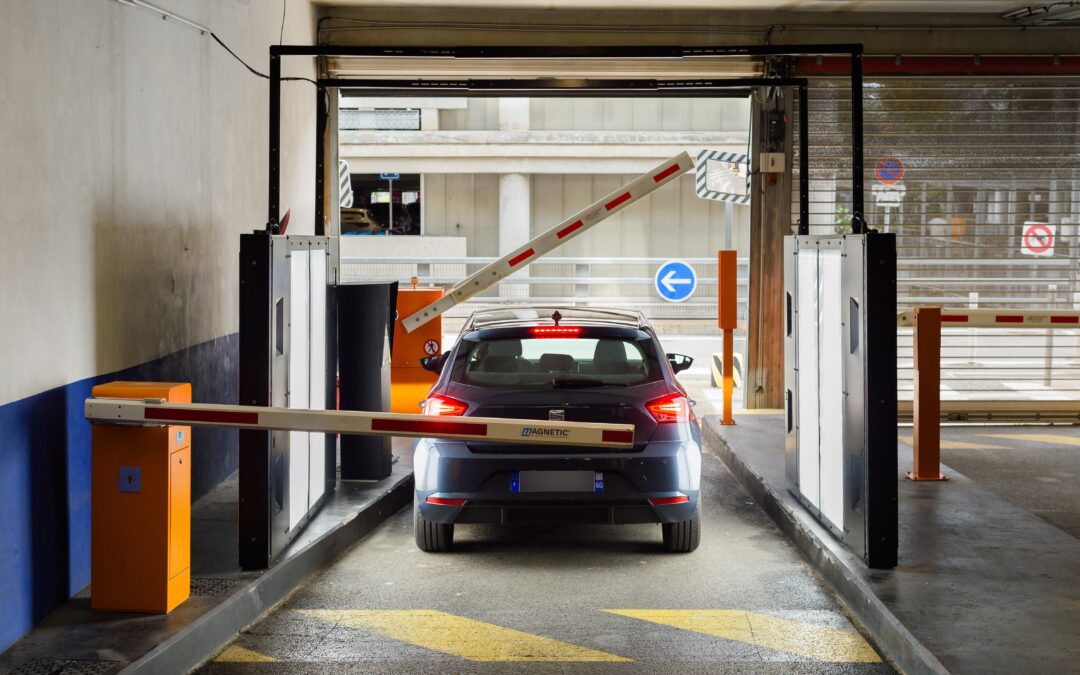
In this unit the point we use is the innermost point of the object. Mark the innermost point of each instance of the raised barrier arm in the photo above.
(581, 221)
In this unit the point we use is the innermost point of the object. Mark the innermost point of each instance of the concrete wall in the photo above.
(609, 114)
(671, 222)
(133, 155)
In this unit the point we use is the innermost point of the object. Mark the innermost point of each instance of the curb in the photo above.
(219, 626)
(838, 571)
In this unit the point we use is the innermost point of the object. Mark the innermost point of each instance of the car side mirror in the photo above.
(680, 362)
(435, 363)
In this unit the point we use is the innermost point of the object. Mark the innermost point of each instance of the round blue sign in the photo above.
(675, 281)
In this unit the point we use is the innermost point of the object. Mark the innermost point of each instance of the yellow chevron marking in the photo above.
(234, 653)
(1055, 439)
(458, 636)
(812, 641)
(957, 445)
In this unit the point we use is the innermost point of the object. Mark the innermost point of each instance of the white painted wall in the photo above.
(609, 114)
(132, 156)
(671, 222)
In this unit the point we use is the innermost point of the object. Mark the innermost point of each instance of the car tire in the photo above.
(683, 536)
(431, 536)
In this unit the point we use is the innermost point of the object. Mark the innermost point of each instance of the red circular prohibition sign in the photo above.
(1039, 239)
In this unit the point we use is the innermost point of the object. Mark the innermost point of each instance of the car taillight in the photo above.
(556, 331)
(445, 501)
(663, 501)
(437, 404)
(669, 409)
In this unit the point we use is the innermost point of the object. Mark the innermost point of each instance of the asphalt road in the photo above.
(582, 599)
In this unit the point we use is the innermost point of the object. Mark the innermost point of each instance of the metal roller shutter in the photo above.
(980, 157)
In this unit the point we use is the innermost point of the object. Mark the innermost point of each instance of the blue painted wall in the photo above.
(45, 478)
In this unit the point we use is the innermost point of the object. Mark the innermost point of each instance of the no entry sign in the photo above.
(889, 171)
(1037, 239)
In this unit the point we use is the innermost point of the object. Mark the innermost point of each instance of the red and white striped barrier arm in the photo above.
(534, 432)
(557, 236)
(999, 318)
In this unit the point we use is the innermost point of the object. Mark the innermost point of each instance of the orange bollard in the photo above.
(926, 446)
(727, 318)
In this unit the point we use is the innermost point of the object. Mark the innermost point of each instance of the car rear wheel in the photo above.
(683, 536)
(430, 536)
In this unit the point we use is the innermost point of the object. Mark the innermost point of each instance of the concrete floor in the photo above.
(1036, 468)
(541, 600)
(984, 585)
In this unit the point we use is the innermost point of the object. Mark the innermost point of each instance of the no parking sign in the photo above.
(889, 170)
(1037, 239)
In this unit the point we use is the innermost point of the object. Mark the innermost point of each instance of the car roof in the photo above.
(511, 317)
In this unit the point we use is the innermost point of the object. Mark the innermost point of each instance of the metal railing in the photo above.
(586, 282)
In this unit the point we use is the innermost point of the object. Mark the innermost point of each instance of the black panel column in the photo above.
(364, 329)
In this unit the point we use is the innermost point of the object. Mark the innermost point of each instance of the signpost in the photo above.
(888, 192)
(1038, 239)
(675, 281)
(390, 178)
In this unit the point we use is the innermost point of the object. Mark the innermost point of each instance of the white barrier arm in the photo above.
(534, 432)
(999, 318)
(550, 240)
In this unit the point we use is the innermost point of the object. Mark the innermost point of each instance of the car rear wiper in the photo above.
(582, 382)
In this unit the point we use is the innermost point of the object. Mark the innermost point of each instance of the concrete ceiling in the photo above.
(983, 7)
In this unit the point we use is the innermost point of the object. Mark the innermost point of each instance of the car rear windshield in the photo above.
(543, 363)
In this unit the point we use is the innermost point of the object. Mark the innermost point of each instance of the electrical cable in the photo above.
(255, 72)
(281, 33)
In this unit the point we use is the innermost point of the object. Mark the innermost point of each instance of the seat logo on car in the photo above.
(557, 415)
(549, 433)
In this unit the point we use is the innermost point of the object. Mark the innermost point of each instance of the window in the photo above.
(544, 363)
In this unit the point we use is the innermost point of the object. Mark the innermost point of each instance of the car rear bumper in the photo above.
(449, 471)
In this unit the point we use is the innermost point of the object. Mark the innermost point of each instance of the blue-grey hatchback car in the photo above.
(572, 364)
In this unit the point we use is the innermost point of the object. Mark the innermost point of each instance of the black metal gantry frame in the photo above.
(566, 88)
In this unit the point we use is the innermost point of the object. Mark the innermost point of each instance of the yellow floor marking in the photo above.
(795, 637)
(237, 654)
(1056, 439)
(957, 445)
(458, 636)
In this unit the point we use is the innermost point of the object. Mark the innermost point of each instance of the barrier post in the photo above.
(926, 445)
(727, 318)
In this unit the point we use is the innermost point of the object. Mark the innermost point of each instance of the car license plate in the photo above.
(557, 481)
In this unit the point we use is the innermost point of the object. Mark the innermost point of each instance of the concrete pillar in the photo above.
(770, 222)
(515, 219)
(515, 196)
(513, 114)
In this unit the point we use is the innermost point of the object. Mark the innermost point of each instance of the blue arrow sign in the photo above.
(675, 281)
(390, 176)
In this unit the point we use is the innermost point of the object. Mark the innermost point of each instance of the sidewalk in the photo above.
(224, 599)
(983, 586)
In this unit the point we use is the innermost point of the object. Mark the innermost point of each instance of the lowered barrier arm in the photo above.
(154, 412)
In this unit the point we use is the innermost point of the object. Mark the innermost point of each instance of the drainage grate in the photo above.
(211, 587)
(47, 666)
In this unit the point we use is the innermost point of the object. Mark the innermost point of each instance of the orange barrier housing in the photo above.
(140, 558)
(409, 382)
